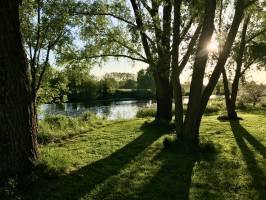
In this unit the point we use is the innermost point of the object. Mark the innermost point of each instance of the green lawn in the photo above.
(127, 160)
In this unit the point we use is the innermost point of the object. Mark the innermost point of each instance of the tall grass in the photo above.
(54, 128)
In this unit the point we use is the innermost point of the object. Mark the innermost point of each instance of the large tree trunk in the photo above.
(18, 144)
(177, 89)
(163, 97)
(163, 86)
(162, 67)
(239, 12)
(190, 131)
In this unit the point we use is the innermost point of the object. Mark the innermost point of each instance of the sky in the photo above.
(125, 65)
(121, 65)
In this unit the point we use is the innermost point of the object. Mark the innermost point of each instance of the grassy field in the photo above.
(127, 160)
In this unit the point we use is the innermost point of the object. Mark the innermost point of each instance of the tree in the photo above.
(46, 29)
(245, 54)
(145, 80)
(18, 148)
(251, 93)
(141, 33)
(188, 129)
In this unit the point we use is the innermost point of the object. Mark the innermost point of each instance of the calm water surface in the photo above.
(112, 110)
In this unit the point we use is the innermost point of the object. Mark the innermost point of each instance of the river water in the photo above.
(112, 110)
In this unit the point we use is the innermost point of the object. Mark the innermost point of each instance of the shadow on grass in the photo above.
(242, 136)
(79, 183)
(173, 180)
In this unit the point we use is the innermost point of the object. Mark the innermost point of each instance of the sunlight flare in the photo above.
(213, 46)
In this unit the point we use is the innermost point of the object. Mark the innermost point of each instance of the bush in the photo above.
(250, 93)
(263, 102)
(212, 109)
(146, 112)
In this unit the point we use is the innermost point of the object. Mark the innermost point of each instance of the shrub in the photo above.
(251, 93)
(263, 102)
(146, 112)
(212, 109)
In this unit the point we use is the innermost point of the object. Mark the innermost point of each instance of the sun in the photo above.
(213, 46)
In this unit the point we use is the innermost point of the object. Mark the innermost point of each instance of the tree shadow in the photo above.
(173, 180)
(242, 136)
(79, 183)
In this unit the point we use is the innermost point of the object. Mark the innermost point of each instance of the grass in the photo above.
(54, 128)
(127, 160)
(214, 107)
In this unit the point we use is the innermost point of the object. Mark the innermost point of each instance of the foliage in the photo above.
(46, 28)
(54, 88)
(145, 80)
(251, 93)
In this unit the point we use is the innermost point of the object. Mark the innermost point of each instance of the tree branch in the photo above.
(186, 28)
(250, 3)
(247, 66)
(144, 38)
(117, 56)
(256, 35)
(105, 14)
(189, 49)
(129, 48)
(43, 69)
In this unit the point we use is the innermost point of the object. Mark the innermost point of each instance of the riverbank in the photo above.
(127, 160)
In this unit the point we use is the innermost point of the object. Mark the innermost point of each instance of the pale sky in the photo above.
(121, 65)
(125, 65)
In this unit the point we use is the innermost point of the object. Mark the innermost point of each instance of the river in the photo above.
(112, 110)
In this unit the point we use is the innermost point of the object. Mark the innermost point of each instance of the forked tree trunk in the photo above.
(198, 99)
(190, 131)
(18, 145)
(239, 12)
(162, 67)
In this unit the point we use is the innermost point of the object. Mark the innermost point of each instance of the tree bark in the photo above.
(177, 89)
(18, 144)
(163, 92)
(190, 131)
(239, 12)
(239, 63)
(162, 66)
(229, 107)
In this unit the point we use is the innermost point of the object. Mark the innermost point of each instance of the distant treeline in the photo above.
(76, 85)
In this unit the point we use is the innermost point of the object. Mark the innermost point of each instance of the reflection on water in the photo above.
(112, 110)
